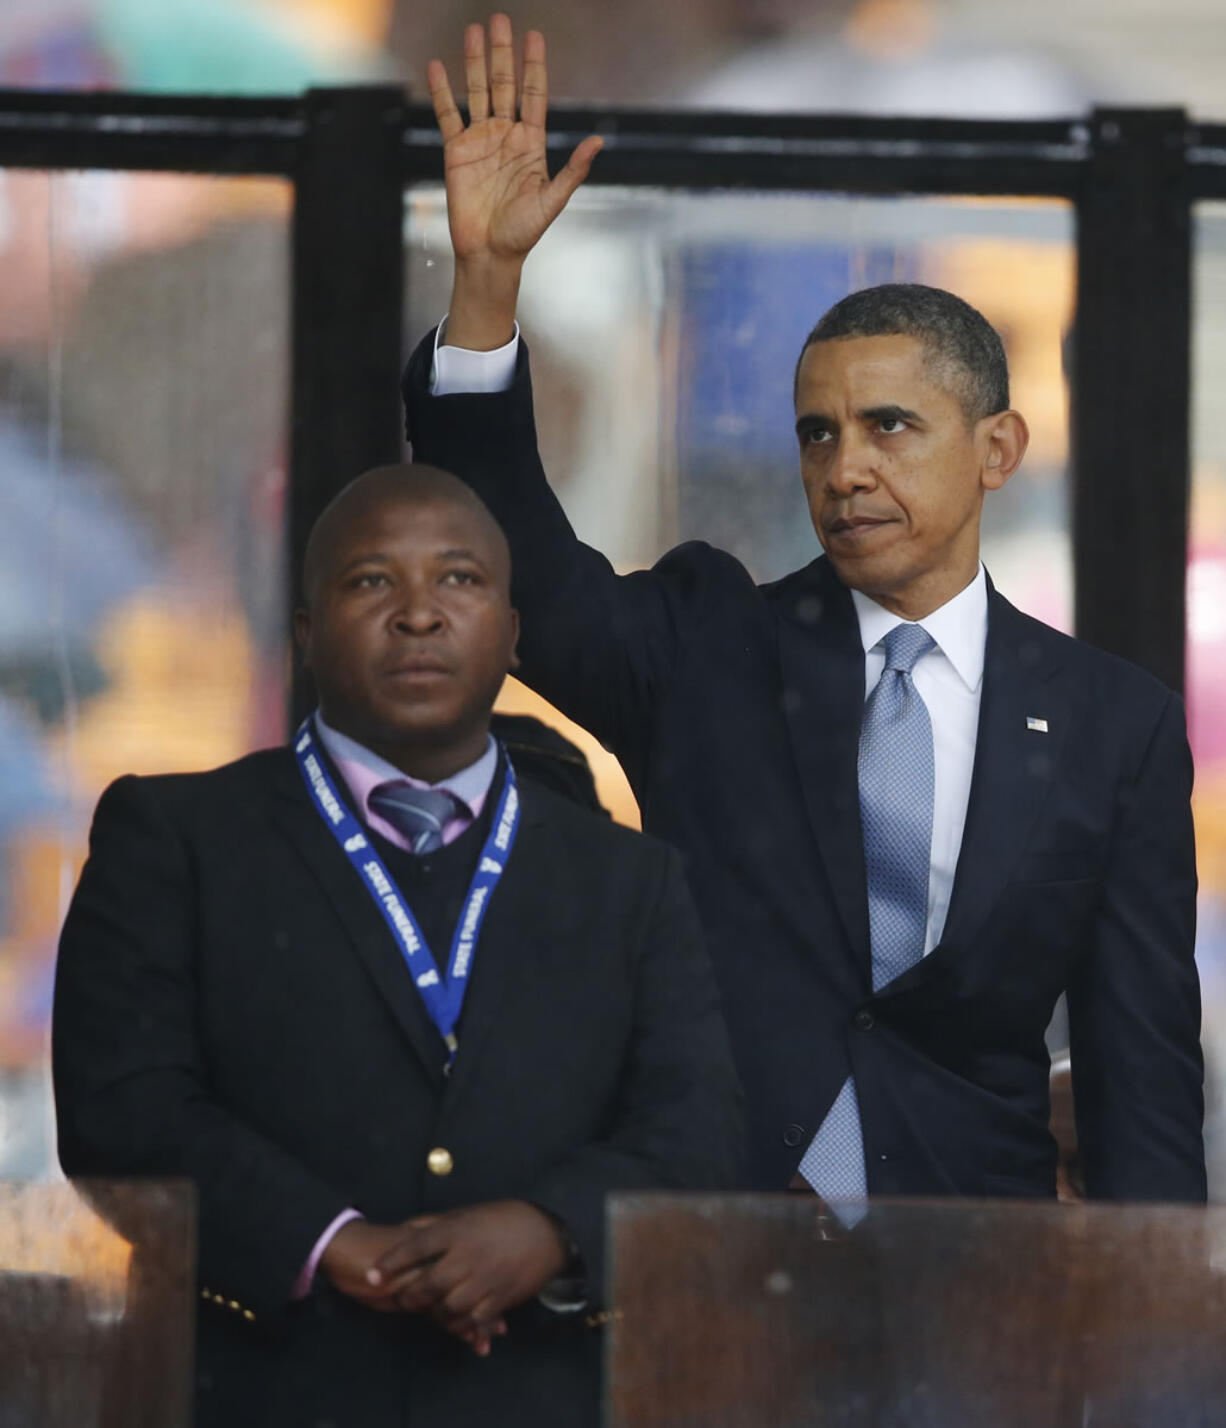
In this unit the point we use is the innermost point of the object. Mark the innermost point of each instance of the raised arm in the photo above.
(599, 646)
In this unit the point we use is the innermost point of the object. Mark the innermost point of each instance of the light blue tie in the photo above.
(896, 789)
(420, 814)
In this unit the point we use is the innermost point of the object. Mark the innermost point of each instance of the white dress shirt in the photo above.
(949, 678)
(459, 369)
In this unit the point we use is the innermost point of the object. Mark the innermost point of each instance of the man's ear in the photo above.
(514, 662)
(302, 635)
(1006, 436)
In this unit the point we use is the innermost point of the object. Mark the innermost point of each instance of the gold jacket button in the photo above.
(439, 1161)
(248, 1315)
(235, 1305)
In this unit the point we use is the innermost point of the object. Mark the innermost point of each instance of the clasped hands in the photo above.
(464, 1268)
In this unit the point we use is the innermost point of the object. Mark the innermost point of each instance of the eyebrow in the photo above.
(891, 411)
(370, 557)
(378, 557)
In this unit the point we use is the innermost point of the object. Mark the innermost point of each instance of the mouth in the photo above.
(852, 528)
(418, 669)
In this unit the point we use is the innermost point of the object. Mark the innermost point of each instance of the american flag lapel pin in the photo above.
(1038, 726)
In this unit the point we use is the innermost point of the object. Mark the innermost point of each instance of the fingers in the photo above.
(425, 1287)
(534, 100)
(568, 179)
(471, 1314)
(484, 1318)
(502, 67)
(421, 1243)
(484, 1315)
(479, 1336)
(474, 73)
(472, 1307)
(450, 122)
(407, 1285)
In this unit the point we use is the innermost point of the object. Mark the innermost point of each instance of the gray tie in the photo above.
(896, 790)
(420, 814)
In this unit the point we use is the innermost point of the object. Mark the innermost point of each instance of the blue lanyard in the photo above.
(444, 998)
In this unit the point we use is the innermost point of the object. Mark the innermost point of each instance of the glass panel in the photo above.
(1207, 660)
(1013, 1314)
(665, 328)
(143, 370)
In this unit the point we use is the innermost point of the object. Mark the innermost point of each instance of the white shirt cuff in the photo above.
(564, 1296)
(460, 369)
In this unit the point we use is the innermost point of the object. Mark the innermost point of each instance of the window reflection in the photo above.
(143, 338)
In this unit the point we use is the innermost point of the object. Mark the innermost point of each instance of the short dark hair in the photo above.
(958, 338)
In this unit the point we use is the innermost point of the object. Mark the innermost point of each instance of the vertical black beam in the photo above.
(348, 266)
(1130, 390)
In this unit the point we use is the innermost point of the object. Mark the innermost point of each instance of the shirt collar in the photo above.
(960, 627)
(470, 784)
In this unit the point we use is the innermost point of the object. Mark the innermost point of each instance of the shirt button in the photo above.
(864, 1020)
(793, 1135)
(439, 1161)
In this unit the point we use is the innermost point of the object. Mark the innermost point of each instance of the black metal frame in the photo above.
(1133, 176)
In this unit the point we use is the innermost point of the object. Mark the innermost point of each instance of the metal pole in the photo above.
(1130, 390)
(348, 284)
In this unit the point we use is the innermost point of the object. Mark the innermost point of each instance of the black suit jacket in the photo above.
(735, 710)
(230, 1007)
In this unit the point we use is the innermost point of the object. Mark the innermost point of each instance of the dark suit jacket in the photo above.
(230, 1007)
(735, 710)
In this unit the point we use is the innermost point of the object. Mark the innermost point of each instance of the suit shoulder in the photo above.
(1106, 676)
(237, 779)
(816, 574)
(592, 832)
(699, 562)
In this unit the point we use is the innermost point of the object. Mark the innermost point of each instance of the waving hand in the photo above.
(500, 198)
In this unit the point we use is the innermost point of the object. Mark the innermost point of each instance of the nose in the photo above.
(417, 612)
(851, 465)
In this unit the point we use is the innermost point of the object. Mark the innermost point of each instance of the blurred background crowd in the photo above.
(144, 351)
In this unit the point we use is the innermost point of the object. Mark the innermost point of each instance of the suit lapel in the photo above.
(822, 664)
(297, 819)
(1014, 766)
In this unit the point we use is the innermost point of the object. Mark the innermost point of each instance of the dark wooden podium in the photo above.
(759, 1312)
(96, 1305)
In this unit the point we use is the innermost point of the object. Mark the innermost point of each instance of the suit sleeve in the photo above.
(131, 1081)
(599, 646)
(678, 1120)
(1134, 1004)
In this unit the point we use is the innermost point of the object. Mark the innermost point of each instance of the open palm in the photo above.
(500, 198)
